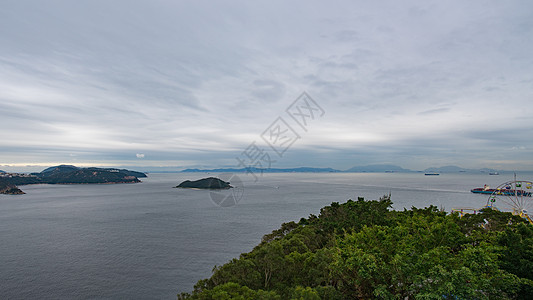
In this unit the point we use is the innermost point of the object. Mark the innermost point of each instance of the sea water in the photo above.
(151, 241)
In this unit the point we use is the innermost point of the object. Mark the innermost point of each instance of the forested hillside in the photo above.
(364, 249)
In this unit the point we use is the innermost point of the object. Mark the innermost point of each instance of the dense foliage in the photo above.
(363, 249)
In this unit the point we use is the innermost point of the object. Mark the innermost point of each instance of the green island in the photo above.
(66, 174)
(366, 250)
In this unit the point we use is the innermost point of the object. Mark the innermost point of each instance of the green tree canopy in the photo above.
(364, 250)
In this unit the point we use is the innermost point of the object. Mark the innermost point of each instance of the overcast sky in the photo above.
(192, 84)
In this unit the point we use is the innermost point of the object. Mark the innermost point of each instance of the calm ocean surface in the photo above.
(150, 241)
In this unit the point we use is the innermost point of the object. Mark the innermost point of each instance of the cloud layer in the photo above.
(173, 83)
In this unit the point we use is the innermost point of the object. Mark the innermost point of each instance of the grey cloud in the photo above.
(268, 89)
(196, 82)
(434, 111)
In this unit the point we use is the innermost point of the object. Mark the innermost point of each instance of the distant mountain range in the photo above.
(375, 168)
(446, 169)
(358, 169)
(378, 168)
(258, 170)
(456, 169)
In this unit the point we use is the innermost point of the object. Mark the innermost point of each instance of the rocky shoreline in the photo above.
(10, 189)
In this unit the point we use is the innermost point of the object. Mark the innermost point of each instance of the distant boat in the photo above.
(494, 173)
(432, 174)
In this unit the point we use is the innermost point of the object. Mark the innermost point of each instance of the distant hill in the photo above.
(487, 170)
(258, 170)
(446, 169)
(378, 168)
(70, 168)
(89, 175)
(2, 171)
(124, 171)
(64, 174)
(59, 169)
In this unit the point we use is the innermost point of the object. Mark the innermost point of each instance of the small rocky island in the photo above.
(210, 183)
(65, 174)
(7, 188)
